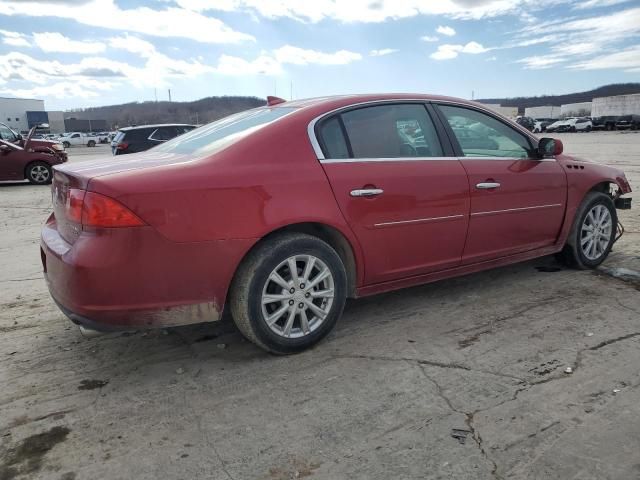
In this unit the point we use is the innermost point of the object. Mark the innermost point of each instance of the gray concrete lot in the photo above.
(485, 354)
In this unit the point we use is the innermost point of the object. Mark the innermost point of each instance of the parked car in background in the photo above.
(9, 135)
(604, 123)
(541, 124)
(280, 213)
(28, 159)
(78, 139)
(527, 122)
(571, 125)
(143, 137)
(628, 122)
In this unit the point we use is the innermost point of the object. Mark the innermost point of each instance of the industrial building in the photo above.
(618, 105)
(582, 109)
(15, 112)
(549, 111)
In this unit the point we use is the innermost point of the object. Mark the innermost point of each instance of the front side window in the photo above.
(391, 131)
(481, 135)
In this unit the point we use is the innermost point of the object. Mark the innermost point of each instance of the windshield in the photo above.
(217, 135)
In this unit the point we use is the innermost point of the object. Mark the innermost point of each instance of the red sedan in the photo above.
(282, 212)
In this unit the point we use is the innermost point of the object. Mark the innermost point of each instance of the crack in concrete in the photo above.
(431, 363)
(469, 418)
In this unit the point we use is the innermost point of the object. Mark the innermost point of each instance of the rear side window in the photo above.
(138, 134)
(332, 139)
(391, 131)
(217, 135)
(163, 134)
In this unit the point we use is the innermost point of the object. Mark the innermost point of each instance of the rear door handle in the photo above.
(486, 185)
(366, 192)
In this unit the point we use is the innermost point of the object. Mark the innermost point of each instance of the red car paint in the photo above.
(201, 214)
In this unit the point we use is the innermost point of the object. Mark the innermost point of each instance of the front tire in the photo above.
(593, 232)
(38, 173)
(66, 144)
(91, 143)
(288, 293)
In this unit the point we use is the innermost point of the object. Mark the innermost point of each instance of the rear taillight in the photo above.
(92, 209)
(122, 146)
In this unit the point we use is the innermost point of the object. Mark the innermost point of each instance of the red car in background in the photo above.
(28, 158)
(282, 212)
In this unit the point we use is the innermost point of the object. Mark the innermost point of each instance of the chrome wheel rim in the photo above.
(39, 174)
(297, 296)
(596, 232)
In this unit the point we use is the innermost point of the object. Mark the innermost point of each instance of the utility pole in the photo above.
(169, 95)
(155, 94)
(472, 94)
(291, 91)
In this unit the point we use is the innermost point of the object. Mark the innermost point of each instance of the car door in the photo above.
(11, 161)
(517, 199)
(406, 201)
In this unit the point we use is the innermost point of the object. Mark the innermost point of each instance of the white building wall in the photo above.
(13, 111)
(550, 111)
(575, 109)
(509, 112)
(617, 105)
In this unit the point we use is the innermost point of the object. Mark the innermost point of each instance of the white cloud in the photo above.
(301, 56)
(628, 60)
(448, 51)
(168, 22)
(366, 11)
(427, 38)
(14, 39)
(56, 42)
(581, 4)
(133, 45)
(444, 30)
(573, 39)
(263, 65)
(382, 52)
(538, 62)
(63, 90)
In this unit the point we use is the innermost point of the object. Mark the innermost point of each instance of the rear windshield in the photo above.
(217, 135)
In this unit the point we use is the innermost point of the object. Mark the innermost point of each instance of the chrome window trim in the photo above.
(508, 210)
(150, 137)
(387, 159)
(417, 220)
(320, 155)
(312, 124)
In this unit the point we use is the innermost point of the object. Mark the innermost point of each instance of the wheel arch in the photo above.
(31, 162)
(329, 234)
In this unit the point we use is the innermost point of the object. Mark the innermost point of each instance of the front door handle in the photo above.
(367, 192)
(487, 185)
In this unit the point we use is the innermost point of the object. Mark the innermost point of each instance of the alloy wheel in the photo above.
(596, 231)
(297, 296)
(39, 174)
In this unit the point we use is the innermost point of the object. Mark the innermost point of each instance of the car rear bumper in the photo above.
(127, 278)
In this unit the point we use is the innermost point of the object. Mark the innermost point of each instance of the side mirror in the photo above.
(549, 147)
(5, 148)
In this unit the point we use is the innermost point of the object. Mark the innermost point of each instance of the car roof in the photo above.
(337, 101)
(157, 125)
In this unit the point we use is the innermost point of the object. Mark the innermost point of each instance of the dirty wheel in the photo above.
(38, 173)
(91, 143)
(593, 232)
(288, 293)
(66, 144)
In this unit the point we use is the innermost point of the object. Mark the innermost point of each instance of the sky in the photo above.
(83, 53)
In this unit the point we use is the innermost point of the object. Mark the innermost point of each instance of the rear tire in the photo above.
(275, 309)
(66, 144)
(91, 143)
(592, 234)
(38, 173)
